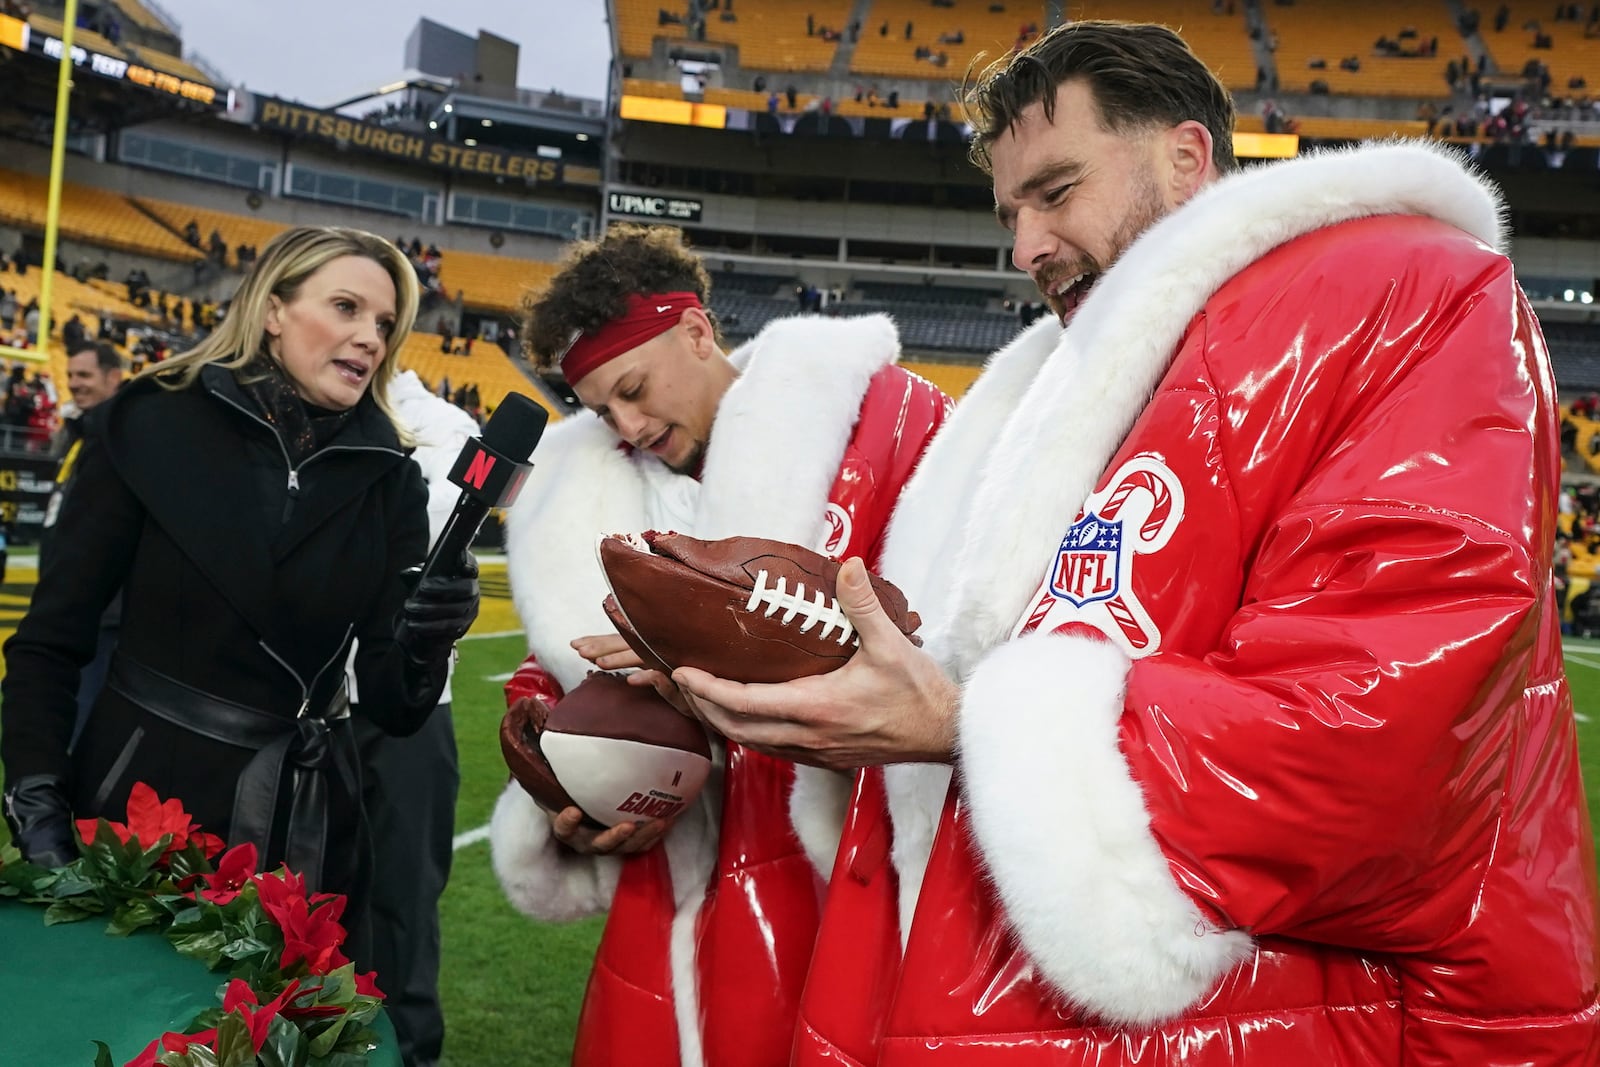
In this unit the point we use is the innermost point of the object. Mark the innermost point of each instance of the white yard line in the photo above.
(496, 633)
(471, 837)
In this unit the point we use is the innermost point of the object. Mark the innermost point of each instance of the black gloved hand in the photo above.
(40, 819)
(437, 614)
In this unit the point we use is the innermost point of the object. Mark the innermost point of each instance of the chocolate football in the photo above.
(744, 608)
(616, 751)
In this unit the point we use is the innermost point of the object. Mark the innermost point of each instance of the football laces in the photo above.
(816, 610)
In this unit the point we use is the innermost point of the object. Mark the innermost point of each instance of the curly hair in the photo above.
(597, 277)
(1142, 75)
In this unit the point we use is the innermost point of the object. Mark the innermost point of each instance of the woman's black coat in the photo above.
(240, 577)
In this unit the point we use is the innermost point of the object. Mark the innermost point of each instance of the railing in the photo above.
(165, 16)
(577, 105)
(206, 67)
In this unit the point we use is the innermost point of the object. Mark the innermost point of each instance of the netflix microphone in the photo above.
(490, 472)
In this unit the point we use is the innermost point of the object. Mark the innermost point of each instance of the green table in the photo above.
(63, 987)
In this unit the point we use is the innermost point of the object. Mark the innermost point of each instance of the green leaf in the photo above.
(324, 1042)
(244, 947)
(200, 1056)
(206, 945)
(134, 915)
(285, 1046)
(67, 911)
(233, 1042)
(71, 882)
(102, 1055)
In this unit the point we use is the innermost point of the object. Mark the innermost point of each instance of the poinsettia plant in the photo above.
(292, 998)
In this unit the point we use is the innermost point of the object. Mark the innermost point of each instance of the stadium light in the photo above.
(432, 125)
(1569, 296)
(583, 137)
(470, 143)
(449, 108)
(486, 122)
(1587, 298)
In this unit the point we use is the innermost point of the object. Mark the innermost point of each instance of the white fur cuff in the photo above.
(543, 879)
(1064, 833)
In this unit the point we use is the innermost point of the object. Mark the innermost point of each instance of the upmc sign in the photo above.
(637, 206)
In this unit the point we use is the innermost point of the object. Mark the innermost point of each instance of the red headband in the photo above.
(648, 316)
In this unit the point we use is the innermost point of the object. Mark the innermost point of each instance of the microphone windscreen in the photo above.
(515, 427)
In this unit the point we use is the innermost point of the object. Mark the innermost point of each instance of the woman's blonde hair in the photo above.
(284, 265)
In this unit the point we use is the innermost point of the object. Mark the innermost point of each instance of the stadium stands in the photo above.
(885, 48)
(944, 295)
(1331, 30)
(771, 35)
(761, 284)
(83, 38)
(140, 15)
(1222, 40)
(235, 229)
(1575, 352)
(1571, 53)
(954, 378)
(489, 368)
(637, 26)
(922, 328)
(88, 214)
(492, 283)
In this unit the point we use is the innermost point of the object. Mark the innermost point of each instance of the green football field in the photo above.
(512, 987)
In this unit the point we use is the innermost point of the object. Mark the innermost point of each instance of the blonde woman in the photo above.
(254, 501)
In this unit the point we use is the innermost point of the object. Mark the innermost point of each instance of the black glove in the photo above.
(40, 819)
(437, 614)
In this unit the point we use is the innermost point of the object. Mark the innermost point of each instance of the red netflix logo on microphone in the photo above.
(487, 475)
(478, 470)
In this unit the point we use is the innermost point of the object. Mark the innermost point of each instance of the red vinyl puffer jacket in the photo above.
(1266, 750)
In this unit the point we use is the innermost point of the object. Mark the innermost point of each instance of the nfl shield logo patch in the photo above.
(1089, 563)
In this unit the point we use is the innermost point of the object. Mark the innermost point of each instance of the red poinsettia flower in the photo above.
(170, 1043)
(313, 935)
(150, 818)
(367, 985)
(242, 999)
(233, 873)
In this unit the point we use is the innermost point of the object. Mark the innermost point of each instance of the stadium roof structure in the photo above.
(109, 91)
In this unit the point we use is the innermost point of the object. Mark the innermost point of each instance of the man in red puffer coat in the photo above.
(1239, 625)
(708, 935)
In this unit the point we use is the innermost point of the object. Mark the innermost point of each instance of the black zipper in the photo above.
(305, 690)
(294, 472)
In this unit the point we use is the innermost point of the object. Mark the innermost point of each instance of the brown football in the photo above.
(744, 608)
(616, 751)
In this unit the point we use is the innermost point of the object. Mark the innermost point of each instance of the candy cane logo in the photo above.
(836, 530)
(1135, 515)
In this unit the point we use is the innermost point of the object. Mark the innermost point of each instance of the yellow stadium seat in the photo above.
(953, 378)
(1221, 40)
(492, 283)
(1571, 53)
(1333, 29)
(636, 26)
(88, 214)
(771, 35)
(235, 229)
(488, 368)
